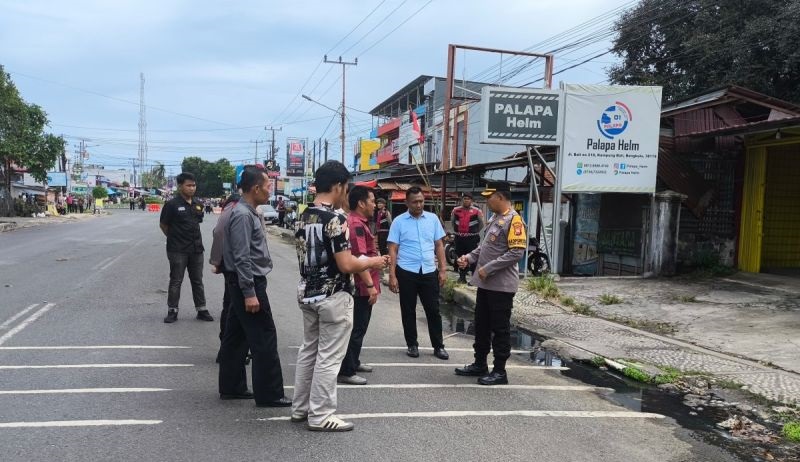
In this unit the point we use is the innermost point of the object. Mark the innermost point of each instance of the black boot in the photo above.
(473, 370)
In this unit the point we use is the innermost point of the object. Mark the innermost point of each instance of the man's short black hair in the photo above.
(252, 176)
(504, 194)
(185, 176)
(413, 191)
(330, 174)
(466, 195)
(357, 194)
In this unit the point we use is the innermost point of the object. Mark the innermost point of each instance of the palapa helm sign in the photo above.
(521, 116)
(610, 138)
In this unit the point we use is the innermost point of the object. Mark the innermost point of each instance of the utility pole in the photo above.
(344, 65)
(255, 156)
(273, 151)
(142, 125)
(326, 150)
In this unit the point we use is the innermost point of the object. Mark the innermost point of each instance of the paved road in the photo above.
(102, 283)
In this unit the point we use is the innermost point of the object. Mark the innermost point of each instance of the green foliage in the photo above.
(637, 374)
(566, 300)
(156, 178)
(598, 361)
(609, 299)
(125, 184)
(544, 285)
(99, 192)
(707, 264)
(209, 175)
(22, 138)
(791, 431)
(153, 200)
(694, 45)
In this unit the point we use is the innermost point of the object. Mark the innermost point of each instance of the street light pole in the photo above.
(343, 64)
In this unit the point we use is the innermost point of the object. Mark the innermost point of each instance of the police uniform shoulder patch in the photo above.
(516, 233)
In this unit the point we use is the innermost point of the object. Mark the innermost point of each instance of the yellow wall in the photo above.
(781, 229)
(368, 148)
(750, 231)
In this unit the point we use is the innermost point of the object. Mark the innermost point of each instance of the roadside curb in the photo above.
(591, 339)
(7, 226)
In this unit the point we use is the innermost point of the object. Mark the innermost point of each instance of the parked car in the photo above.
(269, 213)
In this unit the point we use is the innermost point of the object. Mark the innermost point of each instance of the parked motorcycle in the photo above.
(450, 248)
(538, 261)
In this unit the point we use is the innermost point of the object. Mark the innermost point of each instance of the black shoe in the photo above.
(441, 353)
(473, 370)
(172, 316)
(244, 395)
(283, 402)
(413, 352)
(204, 315)
(495, 378)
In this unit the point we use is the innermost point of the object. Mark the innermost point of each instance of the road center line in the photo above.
(89, 366)
(26, 322)
(522, 413)
(102, 262)
(475, 385)
(17, 316)
(402, 348)
(508, 366)
(97, 347)
(77, 423)
(113, 260)
(82, 390)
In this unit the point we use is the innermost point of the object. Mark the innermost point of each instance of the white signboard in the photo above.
(610, 138)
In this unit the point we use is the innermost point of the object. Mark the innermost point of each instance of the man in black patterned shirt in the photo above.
(324, 295)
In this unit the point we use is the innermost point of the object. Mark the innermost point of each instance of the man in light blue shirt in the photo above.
(419, 269)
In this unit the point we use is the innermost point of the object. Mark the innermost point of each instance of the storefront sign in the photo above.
(295, 157)
(610, 138)
(520, 116)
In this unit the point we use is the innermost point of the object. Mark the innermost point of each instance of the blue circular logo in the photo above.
(614, 120)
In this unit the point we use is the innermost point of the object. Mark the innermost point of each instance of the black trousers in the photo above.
(179, 263)
(426, 286)
(256, 332)
(493, 326)
(383, 245)
(465, 245)
(362, 312)
(223, 317)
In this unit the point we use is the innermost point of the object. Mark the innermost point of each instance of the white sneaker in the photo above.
(352, 380)
(364, 368)
(331, 424)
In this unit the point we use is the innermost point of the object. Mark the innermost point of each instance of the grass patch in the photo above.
(707, 265)
(791, 431)
(598, 361)
(637, 374)
(566, 300)
(582, 308)
(544, 285)
(609, 299)
(449, 289)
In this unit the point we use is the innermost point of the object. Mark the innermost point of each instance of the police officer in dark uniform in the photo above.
(180, 222)
(497, 278)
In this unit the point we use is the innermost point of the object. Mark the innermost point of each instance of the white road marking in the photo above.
(508, 366)
(475, 385)
(97, 347)
(113, 260)
(101, 366)
(26, 322)
(402, 348)
(77, 423)
(102, 262)
(82, 390)
(440, 414)
(17, 316)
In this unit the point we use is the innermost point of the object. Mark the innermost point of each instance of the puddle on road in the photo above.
(633, 395)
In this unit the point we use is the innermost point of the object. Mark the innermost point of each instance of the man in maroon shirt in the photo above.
(368, 284)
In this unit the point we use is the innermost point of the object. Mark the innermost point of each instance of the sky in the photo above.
(217, 73)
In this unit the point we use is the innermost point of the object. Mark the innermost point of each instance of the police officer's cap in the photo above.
(491, 188)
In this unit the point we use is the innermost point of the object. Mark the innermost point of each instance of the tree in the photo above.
(690, 46)
(23, 141)
(209, 175)
(99, 192)
(125, 184)
(155, 178)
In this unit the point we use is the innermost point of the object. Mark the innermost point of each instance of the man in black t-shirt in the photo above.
(180, 222)
(324, 296)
